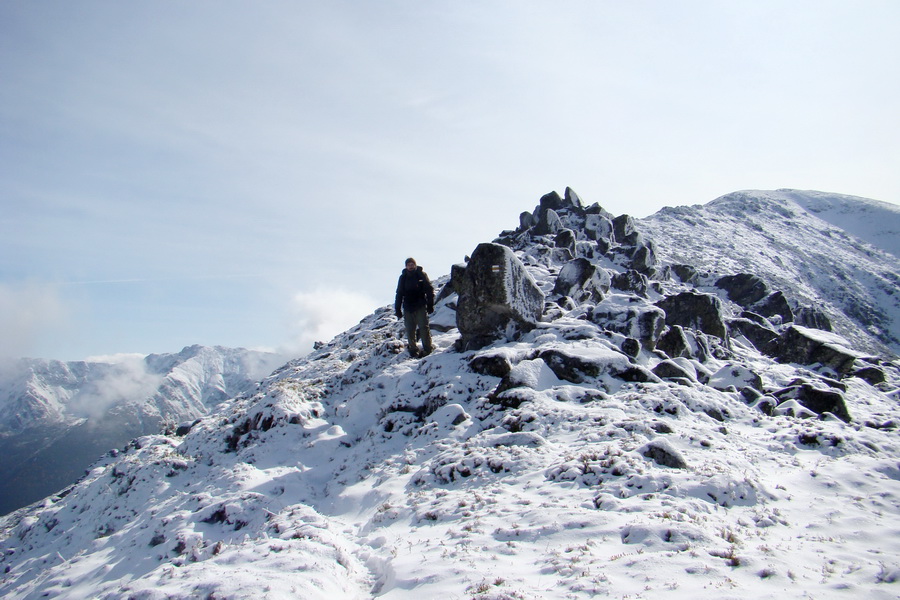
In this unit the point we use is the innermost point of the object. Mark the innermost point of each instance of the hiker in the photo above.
(414, 302)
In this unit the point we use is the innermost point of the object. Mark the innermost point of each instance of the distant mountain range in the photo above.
(56, 418)
(698, 405)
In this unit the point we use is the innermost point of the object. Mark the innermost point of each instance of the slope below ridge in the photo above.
(548, 464)
(770, 235)
(873, 221)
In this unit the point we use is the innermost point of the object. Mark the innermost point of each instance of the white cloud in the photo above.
(28, 313)
(127, 380)
(321, 314)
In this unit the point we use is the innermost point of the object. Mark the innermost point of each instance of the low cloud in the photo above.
(128, 380)
(29, 313)
(322, 314)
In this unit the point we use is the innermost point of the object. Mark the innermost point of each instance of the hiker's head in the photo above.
(411, 264)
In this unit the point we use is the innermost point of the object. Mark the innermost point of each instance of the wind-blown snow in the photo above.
(356, 472)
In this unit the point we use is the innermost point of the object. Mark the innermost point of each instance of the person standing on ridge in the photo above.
(414, 302)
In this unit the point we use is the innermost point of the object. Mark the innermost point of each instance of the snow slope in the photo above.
(357, 472)
(791, 240)
(875, 222)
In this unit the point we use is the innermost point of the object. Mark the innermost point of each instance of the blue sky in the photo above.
(254, 174)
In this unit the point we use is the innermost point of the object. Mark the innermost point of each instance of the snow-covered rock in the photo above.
(496, 292)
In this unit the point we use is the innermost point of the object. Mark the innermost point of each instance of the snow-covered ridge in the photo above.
(604, 453)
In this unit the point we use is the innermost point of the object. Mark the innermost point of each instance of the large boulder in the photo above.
(810, 316)
(548, 223)
(643, 322)
(624, 229)
(497, 296)
(817, 400)
(644, 257)
(744, 289)
(674, 343)
(694, 310)
(578, 367)
(774, 304)
(581, 280)
(631, 281)
(812, 346)
(763, 338)
(598, 227)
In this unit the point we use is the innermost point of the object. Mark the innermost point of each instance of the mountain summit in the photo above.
(681, 419)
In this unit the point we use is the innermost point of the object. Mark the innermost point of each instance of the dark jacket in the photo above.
(414, 291)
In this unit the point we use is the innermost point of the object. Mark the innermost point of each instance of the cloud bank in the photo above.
(323, 313)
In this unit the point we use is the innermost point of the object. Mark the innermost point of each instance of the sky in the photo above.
(255, 174)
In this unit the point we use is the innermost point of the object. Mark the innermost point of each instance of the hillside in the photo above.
(794, 241)
(648, 435)
(56, 418)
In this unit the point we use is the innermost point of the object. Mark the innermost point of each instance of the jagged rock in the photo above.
(598, 227)
(763, 338)
(810, 346)
(686, 273)
(495, 293)
(548, 223)
(758, 319)
(817, 400)
(565, 239)
(663, 453)
(644, 257)
(643, 322)
(744, 289)
(572, 199)
(809, 316)
(624, 229)
(552, 201)
(674, 342)
(631, 281)
(751, 395)
(576, 368)
(775, 304)
(702, 312)
(581, 280)
(526, 221)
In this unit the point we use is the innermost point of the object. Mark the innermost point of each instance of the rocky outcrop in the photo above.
(695, 310)
(497, 297)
